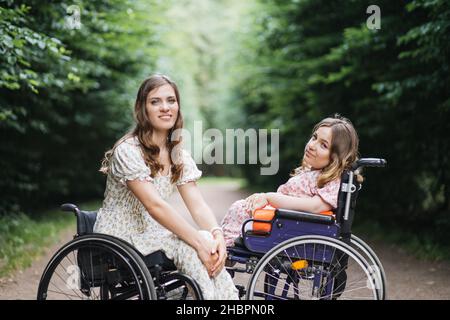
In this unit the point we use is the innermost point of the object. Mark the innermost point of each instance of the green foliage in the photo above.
(65, 94)
(315, 58)
(22, 238)
(201, 55)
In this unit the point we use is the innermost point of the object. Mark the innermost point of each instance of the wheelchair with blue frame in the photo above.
(101, 267)
(307, 256)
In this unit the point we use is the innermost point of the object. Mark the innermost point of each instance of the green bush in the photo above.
(315, 58)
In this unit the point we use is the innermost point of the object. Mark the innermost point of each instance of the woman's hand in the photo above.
(207, 257)
(221, 250)
(256, 201)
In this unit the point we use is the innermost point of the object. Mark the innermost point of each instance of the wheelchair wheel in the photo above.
(178, 286)
(96, 267)
(313, 268)
(367, 252)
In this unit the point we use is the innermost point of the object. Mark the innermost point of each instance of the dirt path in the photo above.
(407, 277)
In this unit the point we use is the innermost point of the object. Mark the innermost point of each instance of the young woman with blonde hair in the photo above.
(314, 186)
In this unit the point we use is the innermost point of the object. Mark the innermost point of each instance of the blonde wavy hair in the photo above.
(143, 131)
(343, 150)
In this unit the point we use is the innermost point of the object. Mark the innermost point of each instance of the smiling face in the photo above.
(162, 107)
(317, 150)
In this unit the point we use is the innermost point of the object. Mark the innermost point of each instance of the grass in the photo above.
(24, 238)
(421, 246)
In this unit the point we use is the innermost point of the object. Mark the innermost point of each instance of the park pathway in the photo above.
(407, 277)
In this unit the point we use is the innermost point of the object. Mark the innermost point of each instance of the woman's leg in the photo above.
(233, 220)
(223, 283)
(187, 261)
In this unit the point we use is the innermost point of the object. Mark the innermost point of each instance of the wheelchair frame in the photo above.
(320, 237)
(104, 267)
(116, 270)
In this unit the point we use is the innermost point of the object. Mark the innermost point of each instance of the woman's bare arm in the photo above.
(205, 219)
(310, 204)
(197, 206)
(164, 214)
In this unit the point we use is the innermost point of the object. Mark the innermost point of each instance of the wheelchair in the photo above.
(101, 267)
(297, 255)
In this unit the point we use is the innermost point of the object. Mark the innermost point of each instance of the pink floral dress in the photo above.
(304, 184)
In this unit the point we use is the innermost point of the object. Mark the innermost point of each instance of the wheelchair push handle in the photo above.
(369, 162)
(69, 207)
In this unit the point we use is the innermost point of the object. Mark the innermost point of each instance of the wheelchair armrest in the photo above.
(304, 216)
(290, 215)
(256, 232)
(286, 224)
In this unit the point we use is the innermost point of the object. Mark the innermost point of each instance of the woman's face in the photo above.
(162, 108)
(317, 150)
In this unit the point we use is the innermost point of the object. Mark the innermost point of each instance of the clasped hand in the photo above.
(214, 254)
(255, 201)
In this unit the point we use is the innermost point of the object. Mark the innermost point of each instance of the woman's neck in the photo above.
(160, 138)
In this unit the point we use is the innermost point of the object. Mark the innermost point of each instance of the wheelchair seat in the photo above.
(159, 259)
(239, 242)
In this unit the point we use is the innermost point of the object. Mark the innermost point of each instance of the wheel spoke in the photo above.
(333, 270)
(103, 269)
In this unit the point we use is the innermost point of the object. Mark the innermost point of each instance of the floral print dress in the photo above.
(303, 184)
(122, 215)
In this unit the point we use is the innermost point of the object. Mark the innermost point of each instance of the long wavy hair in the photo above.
(143, 130)
(343, 150)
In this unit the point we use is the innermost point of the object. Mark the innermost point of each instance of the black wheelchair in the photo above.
(307, 256)
(102, 267)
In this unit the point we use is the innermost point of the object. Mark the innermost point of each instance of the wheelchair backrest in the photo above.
(85, 219)
(344, 220)
(85, 222)
(346, 225)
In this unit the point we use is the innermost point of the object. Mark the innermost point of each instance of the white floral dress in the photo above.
(122, 215)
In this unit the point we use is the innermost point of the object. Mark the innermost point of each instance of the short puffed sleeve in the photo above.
(127, 163)
(190, 171)
(329, 192)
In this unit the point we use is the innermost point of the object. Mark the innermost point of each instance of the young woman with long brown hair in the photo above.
(142, 170)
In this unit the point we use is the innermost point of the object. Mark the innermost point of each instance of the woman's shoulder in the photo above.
(127, 147)
(190, 170)
(181, 156)
(312, 175)
(186, 154)
(129, 140)
(305, 172)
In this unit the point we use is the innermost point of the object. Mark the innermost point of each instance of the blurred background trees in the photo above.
(315, 58)
(66, 93)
